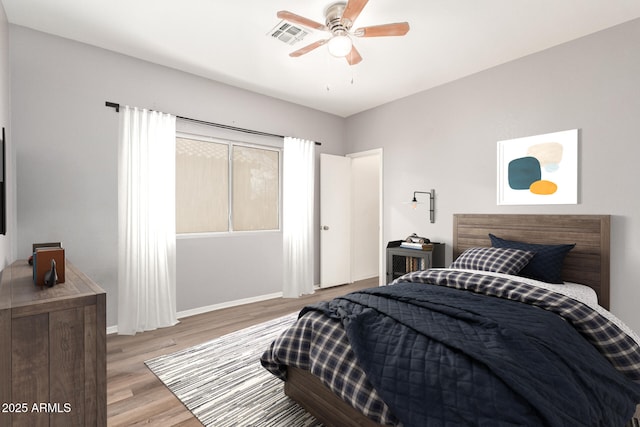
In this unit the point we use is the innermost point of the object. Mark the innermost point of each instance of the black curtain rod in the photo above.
(116, 106)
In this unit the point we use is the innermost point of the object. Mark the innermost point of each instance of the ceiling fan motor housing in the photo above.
(333, 16)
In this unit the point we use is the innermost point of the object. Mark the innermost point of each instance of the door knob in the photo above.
(324, 227)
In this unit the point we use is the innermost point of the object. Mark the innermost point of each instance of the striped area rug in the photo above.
(223, 384)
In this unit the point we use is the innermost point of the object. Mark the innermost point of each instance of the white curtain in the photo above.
(297, 227)
(146, 221)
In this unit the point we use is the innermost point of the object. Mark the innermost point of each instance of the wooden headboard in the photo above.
(587, 263)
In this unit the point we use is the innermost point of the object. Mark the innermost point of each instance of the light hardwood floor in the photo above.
(135, 396)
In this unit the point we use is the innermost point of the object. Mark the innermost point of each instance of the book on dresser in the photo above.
(42, 258)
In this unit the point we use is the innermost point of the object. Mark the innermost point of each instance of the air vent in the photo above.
(288, 33)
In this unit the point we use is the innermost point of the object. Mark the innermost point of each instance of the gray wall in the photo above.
(445, 138)
(66, 149)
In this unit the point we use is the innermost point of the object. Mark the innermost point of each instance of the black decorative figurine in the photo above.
(51, 276)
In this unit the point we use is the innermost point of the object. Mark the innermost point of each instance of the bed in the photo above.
(317, 356)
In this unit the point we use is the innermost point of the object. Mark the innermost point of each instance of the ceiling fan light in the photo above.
(339, 45)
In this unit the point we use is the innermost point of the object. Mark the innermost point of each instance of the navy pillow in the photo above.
(545, 266)
(508, 261)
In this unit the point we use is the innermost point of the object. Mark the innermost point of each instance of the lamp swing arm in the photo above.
(432, 196)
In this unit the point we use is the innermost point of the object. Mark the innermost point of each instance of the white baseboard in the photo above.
(213, 307)
(228, 304)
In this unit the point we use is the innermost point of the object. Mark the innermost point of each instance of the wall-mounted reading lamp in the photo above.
(432, 196)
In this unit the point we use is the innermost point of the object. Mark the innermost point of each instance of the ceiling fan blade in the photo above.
(353, 57)
(308, 48)
(297, 19)
(397, 29)
(352, 11)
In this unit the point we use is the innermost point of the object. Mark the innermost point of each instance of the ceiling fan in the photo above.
(339, 18)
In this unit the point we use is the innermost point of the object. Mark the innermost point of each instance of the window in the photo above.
(256, 189)
(223, 186)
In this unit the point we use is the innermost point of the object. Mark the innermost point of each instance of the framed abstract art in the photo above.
(538, 170)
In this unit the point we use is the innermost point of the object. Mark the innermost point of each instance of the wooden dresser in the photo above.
(52, 350)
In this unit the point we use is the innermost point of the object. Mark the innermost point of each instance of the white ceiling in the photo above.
(228, 40)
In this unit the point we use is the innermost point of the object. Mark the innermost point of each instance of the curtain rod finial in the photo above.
(113, 105)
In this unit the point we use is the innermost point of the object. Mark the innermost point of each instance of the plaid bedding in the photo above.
(318, 343)
(618, 347)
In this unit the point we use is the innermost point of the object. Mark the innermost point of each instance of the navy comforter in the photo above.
(443, 357)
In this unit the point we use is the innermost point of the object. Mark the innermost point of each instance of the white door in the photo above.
(335, 220)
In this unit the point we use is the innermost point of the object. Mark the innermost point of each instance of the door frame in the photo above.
(379, 152)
